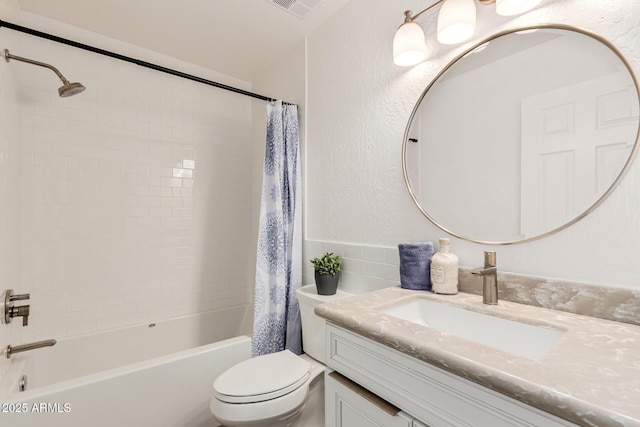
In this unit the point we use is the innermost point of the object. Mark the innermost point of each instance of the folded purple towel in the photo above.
(415, 265)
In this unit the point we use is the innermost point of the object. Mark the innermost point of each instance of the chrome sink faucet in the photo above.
(489, 274)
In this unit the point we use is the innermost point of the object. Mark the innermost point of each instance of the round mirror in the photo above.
(522, 135)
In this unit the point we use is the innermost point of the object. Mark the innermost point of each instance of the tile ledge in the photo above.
(618, 304)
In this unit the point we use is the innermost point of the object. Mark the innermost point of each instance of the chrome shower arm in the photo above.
(8, 56)
(67, 88)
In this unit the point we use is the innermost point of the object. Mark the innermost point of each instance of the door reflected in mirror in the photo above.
(523, 135)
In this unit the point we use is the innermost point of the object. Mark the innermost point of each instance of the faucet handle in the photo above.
(8, 311)
(21, 311)
(19, 297)
(489, 259)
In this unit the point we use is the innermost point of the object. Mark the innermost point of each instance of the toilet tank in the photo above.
(313, 327)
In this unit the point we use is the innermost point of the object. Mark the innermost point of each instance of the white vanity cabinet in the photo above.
(427, 395)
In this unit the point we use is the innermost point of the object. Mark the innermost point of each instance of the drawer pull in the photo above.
(366, 394)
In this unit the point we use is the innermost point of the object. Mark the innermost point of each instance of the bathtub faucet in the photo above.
(31, 346)
(8, 309)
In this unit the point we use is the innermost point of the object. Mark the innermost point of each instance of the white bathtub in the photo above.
(159, 375)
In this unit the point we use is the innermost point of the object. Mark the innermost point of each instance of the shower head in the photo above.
(67, 88)
(70, 89)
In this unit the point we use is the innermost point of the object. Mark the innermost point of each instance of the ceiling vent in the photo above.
(299, 8)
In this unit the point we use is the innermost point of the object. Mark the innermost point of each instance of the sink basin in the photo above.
(522, 339)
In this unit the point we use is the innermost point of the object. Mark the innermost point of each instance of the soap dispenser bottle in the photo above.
(444, 270)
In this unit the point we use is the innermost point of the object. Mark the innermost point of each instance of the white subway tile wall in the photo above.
(364, 268)
(127, 203)
(9, 206)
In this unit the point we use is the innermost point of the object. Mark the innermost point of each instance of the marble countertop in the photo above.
(590, 377)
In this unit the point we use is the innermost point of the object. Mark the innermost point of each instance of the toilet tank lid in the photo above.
(309, 295)
(262, 375)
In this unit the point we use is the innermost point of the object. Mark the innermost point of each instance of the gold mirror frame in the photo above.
(591, 208)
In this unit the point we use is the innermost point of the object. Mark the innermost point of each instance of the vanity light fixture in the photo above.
(456, 24)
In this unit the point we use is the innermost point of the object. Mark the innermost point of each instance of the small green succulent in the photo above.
(327, 264)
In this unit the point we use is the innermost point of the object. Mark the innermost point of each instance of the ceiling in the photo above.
(240, 38)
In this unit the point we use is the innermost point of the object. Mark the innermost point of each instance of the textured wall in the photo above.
(358, 104)
(128, 203)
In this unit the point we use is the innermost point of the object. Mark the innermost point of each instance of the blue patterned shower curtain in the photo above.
(276, 324)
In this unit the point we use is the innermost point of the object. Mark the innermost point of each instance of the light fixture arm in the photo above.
(409, 17)
(456, 24)
(8, 56)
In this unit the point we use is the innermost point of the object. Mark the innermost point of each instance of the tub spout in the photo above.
(26, 347)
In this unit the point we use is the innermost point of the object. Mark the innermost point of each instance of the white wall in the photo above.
(128, 203)
(284, 81)
(358, 104)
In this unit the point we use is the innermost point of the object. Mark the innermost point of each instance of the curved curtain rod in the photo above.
(139, 62)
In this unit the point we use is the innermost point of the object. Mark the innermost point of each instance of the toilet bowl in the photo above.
(272, 390)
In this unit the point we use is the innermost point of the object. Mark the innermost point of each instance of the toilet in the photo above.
(274, 389)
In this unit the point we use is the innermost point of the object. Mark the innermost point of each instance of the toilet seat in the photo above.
(262, 378)
(259, 413)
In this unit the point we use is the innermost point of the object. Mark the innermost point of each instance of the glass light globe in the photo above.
(456, 21)
(409, 46)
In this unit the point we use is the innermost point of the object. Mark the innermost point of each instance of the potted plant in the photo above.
(326, 273)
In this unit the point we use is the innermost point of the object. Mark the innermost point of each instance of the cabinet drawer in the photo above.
(432, 395)
(349, 405)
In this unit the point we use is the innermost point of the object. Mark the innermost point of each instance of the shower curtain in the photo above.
(276, 324)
